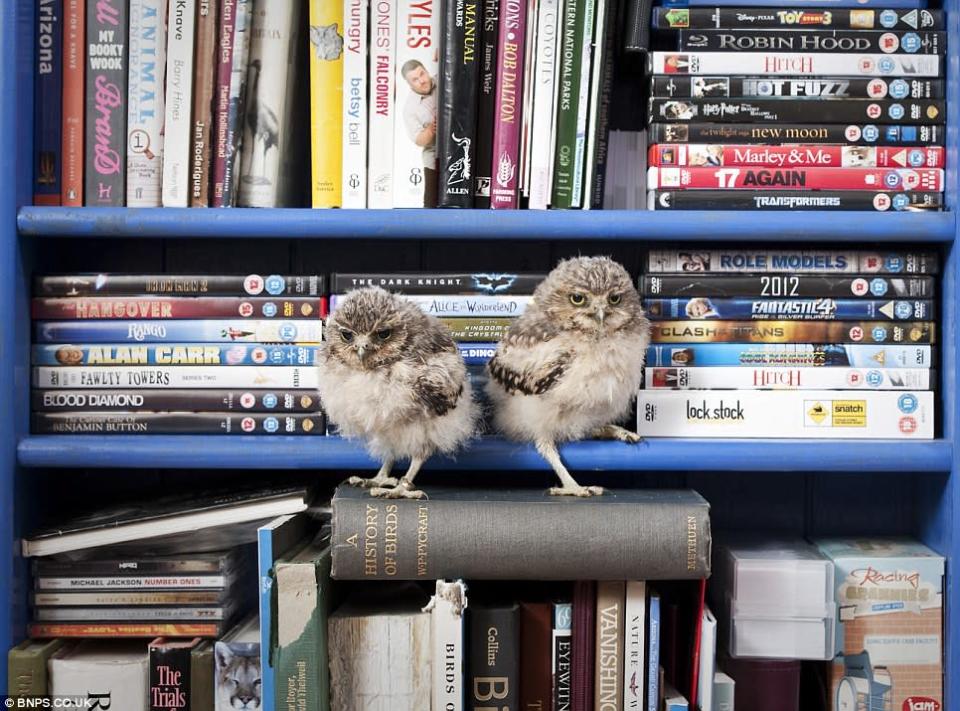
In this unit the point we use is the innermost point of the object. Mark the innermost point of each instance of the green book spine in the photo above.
(27, 667)
(573, 24)
(201, 677)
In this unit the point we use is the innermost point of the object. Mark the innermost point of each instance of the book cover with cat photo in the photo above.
(236, 670)
(326, 102)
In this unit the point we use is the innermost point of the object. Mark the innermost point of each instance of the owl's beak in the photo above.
(361, 353)
(600, 315)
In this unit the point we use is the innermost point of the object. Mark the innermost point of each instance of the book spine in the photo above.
(788, 285)
(201, 119)
(48, 104)
(82, 599)
(201, 677)
(179, 285)
(706, 18)
(299, 611)
(799, 309)
(543, 127)
(855, 134)
(634, 645)
(235, 104)
(526, 112)
(415, 124)
(598, 127)
(790, 64)
(508, 106)
(494, 657)
(145, 111)
(169, 676)
(180, 354)
(487, 101)
(608, 687)
(101, 630)
(176, 423)
(675, 556)
(176, 400)
(803, 355)
(890, 179)
(158, 307)
(536, 643)
(562, 656)
(584, 644)
(355, 108)
(836, 200)
(571, 55)
(74, 67)
(327, 102)
(784, 110)
(457, 119)
(785, 378)
(439, 283)
(673, 86)
(106, 97)
(175, 377)
(794, 261)
(653, 653)
(223, 69)
(26, 673)
(455, 305)
(792, 332)
(819, 156)
(447, 639)
(307, 332)
(583, 100)
(383, 65)
(819, 40)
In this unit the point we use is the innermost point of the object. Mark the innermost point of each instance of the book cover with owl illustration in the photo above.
(326, 102)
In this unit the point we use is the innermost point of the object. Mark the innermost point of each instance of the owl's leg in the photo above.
(382, 477)
(404, 488)
(548, 450)
(616, 432)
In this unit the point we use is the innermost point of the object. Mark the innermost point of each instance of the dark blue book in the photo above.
(48, 102)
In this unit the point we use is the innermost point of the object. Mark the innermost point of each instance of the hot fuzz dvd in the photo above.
(795, 63)
(194, 400)
(796, 261)
(855, 134)
(804, 355)
(879, 111)
(819, 40)
(787, 285)
(814, 156)
(174, 354)
(177, 377)
(786, 378)
(178, 285)
(175, 423)
(826, 414)
(153, 307)
(207, 331)
(885, 179)
(797, 309)
(836, 200)
(792, 332)
(703, 18)
(697, 87)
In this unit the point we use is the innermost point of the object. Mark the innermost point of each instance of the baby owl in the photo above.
(393, 377)
(571, 365)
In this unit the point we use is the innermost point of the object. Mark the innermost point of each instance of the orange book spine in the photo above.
(203, 629)
(73, 74)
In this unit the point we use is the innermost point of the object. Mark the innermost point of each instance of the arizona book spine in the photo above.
(543, 126)
(105, 171)
(383, 54)
(486, 101)
(176, 354)
(48, 104)
(787, 285)
(835, 200)
(213, 331)
(536, 644)
(145, 110)
(707, 18)
(583, 99)
(814, 261)
(74, 69)
(634, 645)
(677, 520)
(178, 285)
(204, 87)
(608, 684)
(176, 377)
(801, 355)
(448, 608)
(673, 86)
(784, 110)
(572, 25)
(562, 656)
(170, 673)
(598, 126)
(508, 106)
(176, 423)
(457, 118)
(223, 68)
(226, 176)
(494, 656)
(175, 400)
(164, 307)
(356, 55)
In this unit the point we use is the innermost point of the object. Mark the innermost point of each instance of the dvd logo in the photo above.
(920, 703)
(140, 331)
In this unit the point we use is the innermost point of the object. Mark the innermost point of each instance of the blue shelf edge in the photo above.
(693, 226)
(268, 452)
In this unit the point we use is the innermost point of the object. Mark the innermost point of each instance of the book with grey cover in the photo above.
(521, 534)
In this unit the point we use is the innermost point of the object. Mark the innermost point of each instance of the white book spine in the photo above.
(446, 639)
(183, 376)
(596, 81)
(823, 414)
(708, 659)
(355, 58)
(112, 676)
(543, 135)
(583, 103)
(635, 645)
(795, 64)
(773, 378)
(526, 115)
(383, 38)
(176, 142)
(145, 115)
(415, 123)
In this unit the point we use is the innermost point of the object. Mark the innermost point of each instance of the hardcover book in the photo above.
(111, 673)
(634, 645)
(27, 667)
(236, 670)
(494, 655)
(584, 645)
(201, 677)
(170, 667)
(536, 645)
(448, 607)
(48, 103)
(508, 106)
(562, 656)
(608, 686)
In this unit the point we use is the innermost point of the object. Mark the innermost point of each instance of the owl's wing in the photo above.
(527, 361)
(438, 390)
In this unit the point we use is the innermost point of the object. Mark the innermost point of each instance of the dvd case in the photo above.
(802, 355)
(786, 378)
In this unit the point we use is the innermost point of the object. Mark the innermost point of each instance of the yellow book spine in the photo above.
(326, 96)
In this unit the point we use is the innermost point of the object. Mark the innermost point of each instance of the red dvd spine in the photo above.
(88, 308)
(803, 156)
(880, 179)
(509, 105)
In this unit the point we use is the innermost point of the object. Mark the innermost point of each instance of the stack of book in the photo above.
(171, 354)
(782, 109)
(803, 344)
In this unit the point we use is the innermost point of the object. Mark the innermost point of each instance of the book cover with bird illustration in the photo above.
(326, 97)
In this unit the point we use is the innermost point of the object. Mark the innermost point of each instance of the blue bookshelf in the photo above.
(808, 487)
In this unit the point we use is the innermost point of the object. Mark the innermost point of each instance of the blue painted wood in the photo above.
(268, 452)
(697, 226)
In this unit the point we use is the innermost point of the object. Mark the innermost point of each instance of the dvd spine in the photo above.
(179, 91)
(74, 68)
(175, 354)
(464, 305)
(836, 200)
(356, 56)
(200, 307)
(112, 599)
(736, 18)
(805, 262)
(795, 63)
(492, 283)
(857, 134)
(214, 331)
(176, 377)
(279, 401)
(880, 112)
(797, 355)
(176, 423)
(814, 156)
(129, 614)
(120, 630)
(48, 103)
(382, 71)
(504, 168)
(787, 285)
(921, 332)
(786, 378)
(820, 40)
(477, 330)
(178, 285)
(826, 414)
(880, 179)
(171, 580)
(476, 353)
(802, 309)
(759, 87)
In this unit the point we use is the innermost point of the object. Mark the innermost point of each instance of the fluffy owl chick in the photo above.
(392, 376)
(571, 365)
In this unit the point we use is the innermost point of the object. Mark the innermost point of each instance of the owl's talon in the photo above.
(581, 491)
(397, 492)
(617, 433)
(373, 482)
